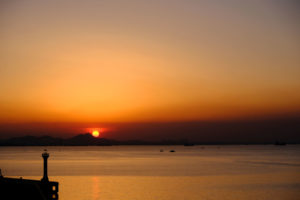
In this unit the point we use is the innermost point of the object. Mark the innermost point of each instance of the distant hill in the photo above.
(78, 140)
(88, 140)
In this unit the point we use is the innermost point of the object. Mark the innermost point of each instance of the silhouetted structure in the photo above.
(45, 156)
(14, 188)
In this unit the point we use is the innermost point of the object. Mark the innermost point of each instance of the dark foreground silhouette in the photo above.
(19, 189)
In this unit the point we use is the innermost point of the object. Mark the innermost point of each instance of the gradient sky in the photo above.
(142, 61)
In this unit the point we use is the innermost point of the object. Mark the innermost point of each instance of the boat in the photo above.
(189, 144)
(280, 143)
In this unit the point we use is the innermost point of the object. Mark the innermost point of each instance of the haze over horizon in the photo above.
(126, 66)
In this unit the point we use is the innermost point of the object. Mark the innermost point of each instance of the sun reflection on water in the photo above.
(96, 190)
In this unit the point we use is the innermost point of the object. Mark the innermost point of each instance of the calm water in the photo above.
(143, 172)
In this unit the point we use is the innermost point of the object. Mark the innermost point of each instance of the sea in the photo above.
(225, 172)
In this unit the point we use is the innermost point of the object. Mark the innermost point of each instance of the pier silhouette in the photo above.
(19, 188)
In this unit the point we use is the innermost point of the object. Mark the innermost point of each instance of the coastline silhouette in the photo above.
(88, 140)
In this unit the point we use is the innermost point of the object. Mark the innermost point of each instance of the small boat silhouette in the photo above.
(279, 143)
(172, 151)
(189, 144)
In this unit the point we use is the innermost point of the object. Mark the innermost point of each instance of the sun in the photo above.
(95, 133)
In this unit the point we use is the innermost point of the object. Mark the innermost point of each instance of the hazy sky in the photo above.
(141, 60)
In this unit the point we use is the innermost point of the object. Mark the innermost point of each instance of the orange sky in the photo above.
(131, 61)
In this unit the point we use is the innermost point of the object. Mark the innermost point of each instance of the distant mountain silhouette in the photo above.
(88, 140)
(32, 141)
(80, 140)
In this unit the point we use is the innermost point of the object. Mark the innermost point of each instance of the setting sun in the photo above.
(95, 133)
